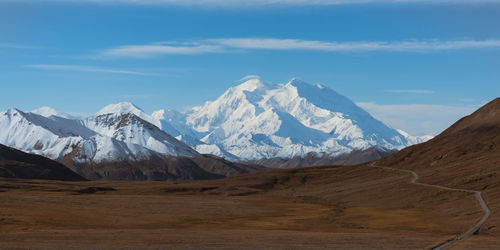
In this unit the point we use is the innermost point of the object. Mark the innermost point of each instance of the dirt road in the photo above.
(479, 197)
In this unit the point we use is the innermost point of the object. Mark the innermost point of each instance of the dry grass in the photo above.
(319, 207)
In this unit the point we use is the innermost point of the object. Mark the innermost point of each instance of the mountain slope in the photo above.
(17, 164)
(131, 129)
(257, 120)
(471, 146)
(467, 156)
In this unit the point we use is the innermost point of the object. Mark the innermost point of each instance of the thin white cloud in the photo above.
(145, 51)
(227, 45)
(418, 119)
(410, 91)
(246, 3)
(248, 77)
(297, 44)
(87, 69)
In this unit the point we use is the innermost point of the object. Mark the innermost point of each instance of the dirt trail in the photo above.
(479, 197)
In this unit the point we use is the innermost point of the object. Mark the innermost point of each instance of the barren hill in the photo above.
(466, 155)
(17, 164)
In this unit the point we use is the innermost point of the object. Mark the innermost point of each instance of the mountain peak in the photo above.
(295, 81)
(47, 111)
(486, 117)
(14, 112)
(123, 108)
(252, 85)
(120, 108)
(159, 114)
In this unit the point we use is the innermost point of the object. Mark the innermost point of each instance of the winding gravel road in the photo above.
(479, 197)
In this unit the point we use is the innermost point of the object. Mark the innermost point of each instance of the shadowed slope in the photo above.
(17, 164)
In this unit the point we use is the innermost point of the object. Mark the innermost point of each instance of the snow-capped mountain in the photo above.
(262, 120)
(126, 123)
(115, 136)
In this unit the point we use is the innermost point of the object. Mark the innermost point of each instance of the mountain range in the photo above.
(249, 122)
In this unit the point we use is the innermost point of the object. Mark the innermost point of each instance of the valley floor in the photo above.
(320, 207)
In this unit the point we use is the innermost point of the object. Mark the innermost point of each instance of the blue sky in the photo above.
(418, 65)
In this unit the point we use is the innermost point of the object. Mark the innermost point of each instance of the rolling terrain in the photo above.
(317, 207)
(421, 197)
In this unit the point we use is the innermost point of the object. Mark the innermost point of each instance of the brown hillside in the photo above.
(466, 155)
(162, 168)
(17, 164)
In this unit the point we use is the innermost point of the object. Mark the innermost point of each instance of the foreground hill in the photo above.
(17, 164)
(467, 156)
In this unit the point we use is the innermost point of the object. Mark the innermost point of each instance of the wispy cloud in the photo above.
(410, 91)
(145, 51)
(87, 69)
(245, 3)
(248, 77)
(418, 119)
(227, 45)
(297, 44)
